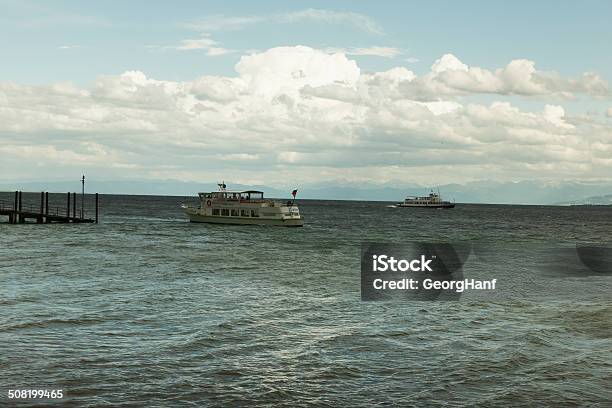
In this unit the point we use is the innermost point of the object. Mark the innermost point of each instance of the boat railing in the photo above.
(35, 208)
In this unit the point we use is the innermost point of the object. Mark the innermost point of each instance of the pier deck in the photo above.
(18, 213)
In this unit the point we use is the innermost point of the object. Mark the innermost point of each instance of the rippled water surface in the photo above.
(148, 307)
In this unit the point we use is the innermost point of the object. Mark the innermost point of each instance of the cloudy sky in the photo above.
(282, 93)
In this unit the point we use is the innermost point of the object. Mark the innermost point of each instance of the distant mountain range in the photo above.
(596, 200)
(523, 192)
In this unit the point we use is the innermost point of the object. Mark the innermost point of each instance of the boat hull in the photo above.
(449, 205)
(284, 222)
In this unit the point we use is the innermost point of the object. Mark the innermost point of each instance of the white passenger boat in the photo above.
(245, 208)
(432, 201)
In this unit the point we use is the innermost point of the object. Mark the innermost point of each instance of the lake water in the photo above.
(146, 306)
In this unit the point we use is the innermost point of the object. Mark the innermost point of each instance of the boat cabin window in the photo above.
(215, 211)
(244, 213)
(254, 213)
(225, 212)
(235, 213)
(251, 195)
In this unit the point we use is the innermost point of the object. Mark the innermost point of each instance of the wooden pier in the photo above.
(18, 213)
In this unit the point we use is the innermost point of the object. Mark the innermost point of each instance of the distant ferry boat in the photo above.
(432, 201)
(245, 208)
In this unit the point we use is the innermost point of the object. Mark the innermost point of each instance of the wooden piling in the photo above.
(13, 214)
(68, 207)
(74, 200)
(40, 219)
(20, 218)
(96, 208)
(46, 206)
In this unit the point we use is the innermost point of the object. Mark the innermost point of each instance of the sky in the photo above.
(288, 93)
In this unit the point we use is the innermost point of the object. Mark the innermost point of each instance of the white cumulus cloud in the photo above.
(306, 115)
(449, 76)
